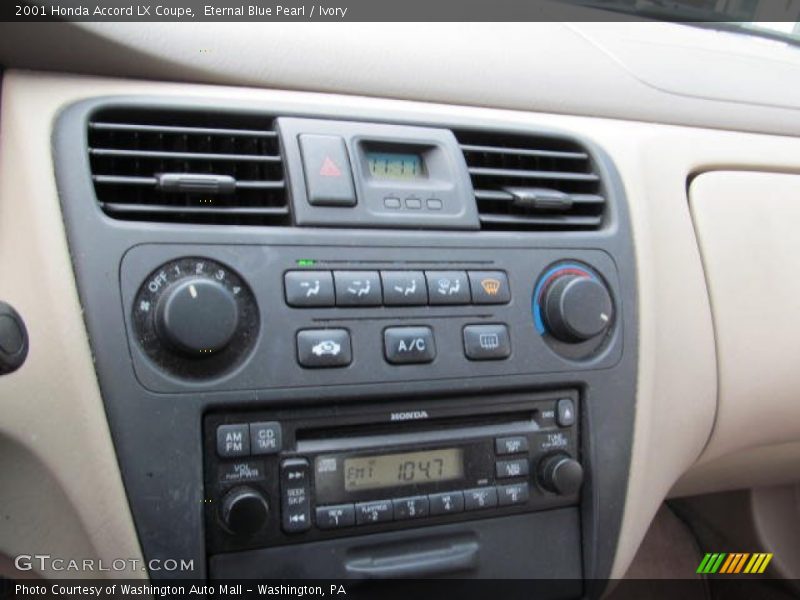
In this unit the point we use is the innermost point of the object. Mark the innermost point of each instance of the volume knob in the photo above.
(577, 308)
(197, 316)
(244, 510)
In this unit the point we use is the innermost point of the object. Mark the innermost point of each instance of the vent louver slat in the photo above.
(532, 182)
(187, 167)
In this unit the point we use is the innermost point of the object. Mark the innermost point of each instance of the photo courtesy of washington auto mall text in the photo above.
(173, 590)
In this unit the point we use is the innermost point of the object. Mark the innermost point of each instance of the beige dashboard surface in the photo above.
(53, 413)
(657, 72)
(747, 227)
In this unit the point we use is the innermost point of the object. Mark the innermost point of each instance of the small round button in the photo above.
(244, 510)
(577, 308)
(197, 316)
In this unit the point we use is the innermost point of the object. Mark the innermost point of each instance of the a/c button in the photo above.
(406, 345)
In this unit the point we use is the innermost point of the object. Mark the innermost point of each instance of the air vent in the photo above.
(187, 167)
(532, 182)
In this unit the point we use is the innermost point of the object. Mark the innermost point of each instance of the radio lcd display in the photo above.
(391, 470)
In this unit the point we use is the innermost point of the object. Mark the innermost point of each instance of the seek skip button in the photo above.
(405, 345)
(265, 438)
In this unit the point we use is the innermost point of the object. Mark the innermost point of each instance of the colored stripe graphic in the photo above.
(711, 563)
(734, 563)
(763, 566)
(728, 562)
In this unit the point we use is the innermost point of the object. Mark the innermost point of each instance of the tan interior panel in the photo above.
(747, 228)
(62, 492)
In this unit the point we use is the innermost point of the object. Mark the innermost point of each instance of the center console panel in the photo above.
(356, 347)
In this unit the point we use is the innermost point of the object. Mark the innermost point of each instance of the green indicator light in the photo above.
(306, 262)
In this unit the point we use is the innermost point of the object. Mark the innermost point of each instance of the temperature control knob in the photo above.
(560, 474)
(244, 510)
(576, 307)
(197, 316)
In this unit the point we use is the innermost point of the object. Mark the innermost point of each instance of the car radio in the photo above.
(284, 477)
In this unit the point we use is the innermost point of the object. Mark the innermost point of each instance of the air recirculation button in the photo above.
(195, 318)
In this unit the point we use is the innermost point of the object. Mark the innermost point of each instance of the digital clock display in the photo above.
(395, 165)
(390, 470)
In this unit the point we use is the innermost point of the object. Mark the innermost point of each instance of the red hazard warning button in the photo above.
(329, 168)
(329, 180)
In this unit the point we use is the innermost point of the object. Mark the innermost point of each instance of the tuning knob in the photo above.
(197, 316)
(576, 307)
(560, 474)
(244, 510)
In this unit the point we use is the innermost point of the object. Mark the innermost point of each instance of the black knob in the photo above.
(577, 308)
(560, 474)
(197, 316)
(13, 339)
(244, 510)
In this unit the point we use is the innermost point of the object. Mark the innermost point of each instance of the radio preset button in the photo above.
(295, 500)
(512, 468)
(447, 287)
(486, 342)
(309, 288)
(410, 508)
(334, 517)
(265, 438)
(407, 345)
(379, 511)
(357, 288)
(511, 445)
(516, 493)
(233, 440)
(404, 288)
(480, 498)
(446, 503)
(318, 348)
(489, 287)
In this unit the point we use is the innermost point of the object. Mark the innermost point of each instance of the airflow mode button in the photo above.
(329, 180)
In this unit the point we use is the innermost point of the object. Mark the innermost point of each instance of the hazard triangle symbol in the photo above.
(329, 168)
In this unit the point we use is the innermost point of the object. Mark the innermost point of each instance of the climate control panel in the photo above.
(255, 317)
